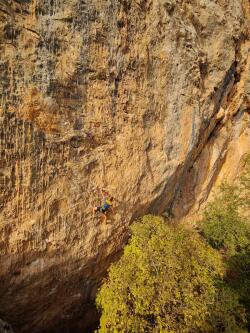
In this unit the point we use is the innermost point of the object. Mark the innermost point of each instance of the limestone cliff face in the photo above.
(146, 98)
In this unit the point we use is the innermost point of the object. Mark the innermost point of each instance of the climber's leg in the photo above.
(95, 210)
(104, 217)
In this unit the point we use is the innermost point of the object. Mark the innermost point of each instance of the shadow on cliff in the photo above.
(59, 299)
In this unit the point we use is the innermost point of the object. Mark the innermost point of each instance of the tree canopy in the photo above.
(164, 282)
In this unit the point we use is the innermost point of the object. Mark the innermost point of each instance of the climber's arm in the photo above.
(103, 193)
(106, 193)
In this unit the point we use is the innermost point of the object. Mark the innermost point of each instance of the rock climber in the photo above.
(106, 206)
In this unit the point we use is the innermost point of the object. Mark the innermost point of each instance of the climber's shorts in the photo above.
(101, 210)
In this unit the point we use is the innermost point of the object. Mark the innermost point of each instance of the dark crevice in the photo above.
(33, 31)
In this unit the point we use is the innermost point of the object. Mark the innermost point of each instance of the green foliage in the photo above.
(226, 227)
(226, 314)
(238, 278)
(164, 282)
(223, 225)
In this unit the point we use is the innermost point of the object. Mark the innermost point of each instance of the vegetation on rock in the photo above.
(223, 225)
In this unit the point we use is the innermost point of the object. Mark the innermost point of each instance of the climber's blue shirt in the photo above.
(107, 204)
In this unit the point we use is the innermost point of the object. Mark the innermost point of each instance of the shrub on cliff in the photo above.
(223, 225)
(225, 222)
(166, 281)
